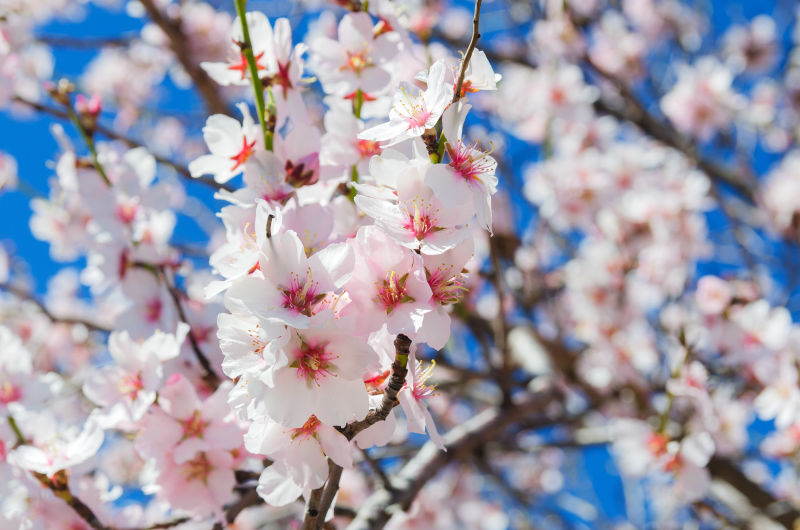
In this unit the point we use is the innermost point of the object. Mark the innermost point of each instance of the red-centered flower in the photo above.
(241, 66)
(241, 157)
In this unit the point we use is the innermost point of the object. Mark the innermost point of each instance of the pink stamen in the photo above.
(313, 363)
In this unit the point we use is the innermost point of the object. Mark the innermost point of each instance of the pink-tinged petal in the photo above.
(436, 331)
(378, 434)
(448, 186)
(483, 206)
(385, 131)
(453, 120)
(335, 445)
(342, 401)
(211, 165)
(187, 449)
(444, 240)
(289, 412)
(337, 259)
(373, 79)
(355, 30)
(433, 432)
(178, 398)
(277, 489)
(222, 135)
(415, 417)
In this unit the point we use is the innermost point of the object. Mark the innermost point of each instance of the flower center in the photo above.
(153, 310)
(126, 211)
(357, 62)
(301, 295)
(420, 222)
(313, 363)
(197, 469)
(9, 393)
(447, 287)
(194, 427)
(130, 385)
(391, 291)
(243, 154)
(308, 429)
(241, 66)
(420, 390)
(368, 148)
(414, 110)
(464, 160)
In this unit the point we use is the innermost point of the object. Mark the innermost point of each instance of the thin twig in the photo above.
(181, 169)
(471, 48)
(67, 41)
(58, 484)
(402, 345)
(175, 294)
(377, 469)
(21, 293)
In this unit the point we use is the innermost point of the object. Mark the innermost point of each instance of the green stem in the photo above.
(14, 427)
(87, 137)
(358, 102)
(258, 89)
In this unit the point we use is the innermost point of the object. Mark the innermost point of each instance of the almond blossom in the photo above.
(413, 110)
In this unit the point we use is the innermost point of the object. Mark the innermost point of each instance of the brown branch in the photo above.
(58, 484)
(460, 443)
(402, 345)
(331, 487)
(321, 498)
(782, 512)
(25, 295)
(312, 506)
(473, 42)
(211, 376)
(179, 45)
(66, 41)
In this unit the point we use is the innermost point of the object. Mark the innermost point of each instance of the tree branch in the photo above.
(25, 295)
(460, 442)
(179, 45)
(782, 512)
(181, 169)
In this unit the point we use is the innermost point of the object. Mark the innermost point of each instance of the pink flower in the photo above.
(412, 398)
(55, 446)
(470, 174)
(358, 60)
(183, 426)
(406, 208)
(713, 295)
(319, 372)
(291, 285)
(235, 71)
(299, 455)
(414, 111)
(388, 285)
(128, 387)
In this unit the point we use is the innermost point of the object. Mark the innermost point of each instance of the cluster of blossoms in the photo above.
(339, 242)
(619, 288)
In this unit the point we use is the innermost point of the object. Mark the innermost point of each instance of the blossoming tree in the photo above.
(401, 264)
